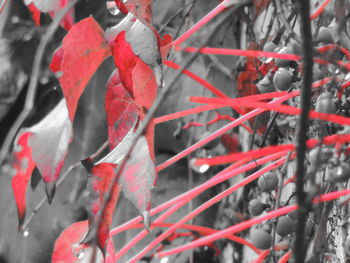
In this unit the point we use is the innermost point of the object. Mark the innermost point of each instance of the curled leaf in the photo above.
(84, 49)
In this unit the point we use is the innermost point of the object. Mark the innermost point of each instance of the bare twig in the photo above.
(303, 203)
(33, 84)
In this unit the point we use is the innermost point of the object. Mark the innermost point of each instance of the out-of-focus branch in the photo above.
(303, 202)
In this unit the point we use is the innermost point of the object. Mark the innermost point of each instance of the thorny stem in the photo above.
(304, 206)
(34, 77)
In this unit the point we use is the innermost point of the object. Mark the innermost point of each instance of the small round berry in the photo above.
(325, 104)
(284, 226)
(341, 173)
(282, 79)
(324, 35)
(255, 207)
(268, 182)
(260, 238)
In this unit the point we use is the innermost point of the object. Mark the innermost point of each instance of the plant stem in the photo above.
(303, 203)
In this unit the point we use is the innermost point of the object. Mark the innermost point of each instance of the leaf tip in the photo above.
(146, 220)
(50, 189)
(88, 164)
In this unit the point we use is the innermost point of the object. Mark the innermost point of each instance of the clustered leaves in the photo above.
(270, 81)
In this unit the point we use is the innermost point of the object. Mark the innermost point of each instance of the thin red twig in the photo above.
(319, 10)
(205, 206)
(217, 10)
(247, 224)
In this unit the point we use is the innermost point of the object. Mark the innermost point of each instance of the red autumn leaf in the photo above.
(67, 247)
(138, 79)
(120, 108)
(139, 175)
(121, 6)
(138, 178)
(51, 7)
(56, 60)
(48, 141)
(142, 9)
(98, 184)
(35, 13)
(68, 20)
(84, 49)
(24, 166)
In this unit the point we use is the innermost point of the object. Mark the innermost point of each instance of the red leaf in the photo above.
(56, 60)
(68, 20)
(138, 175)
(35, 13)
(138, 178)
(121, 110)
(24, 166)
(51, 7)
(121, 6)
(142, 9)
(138, 79)
(84, 49)
(98, 184)
(49, 142)
(67, 247)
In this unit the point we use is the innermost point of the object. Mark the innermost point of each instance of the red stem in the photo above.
(253, 54)
(319, 10)
(262, 256)
(285, 257)
(248, 223)
(217, 179)
(311, 143)
(221, 131)
(217, 10)
(205, 206)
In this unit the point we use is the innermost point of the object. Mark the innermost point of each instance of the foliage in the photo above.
(286, 81)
